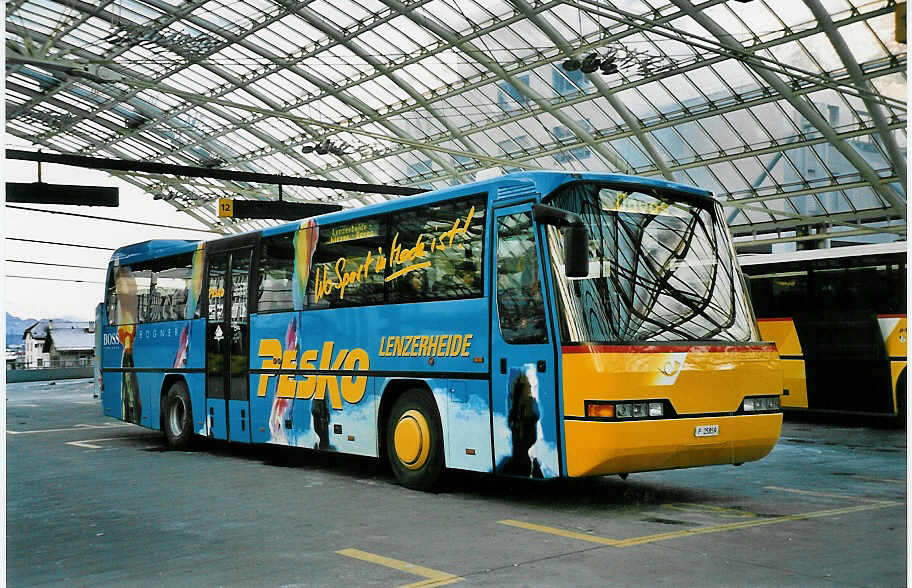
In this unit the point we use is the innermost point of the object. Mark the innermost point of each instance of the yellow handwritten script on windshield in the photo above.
(401, 259)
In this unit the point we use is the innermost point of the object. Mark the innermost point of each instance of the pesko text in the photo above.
(317, 386)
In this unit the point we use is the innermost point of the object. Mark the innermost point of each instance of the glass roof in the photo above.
(794, 117)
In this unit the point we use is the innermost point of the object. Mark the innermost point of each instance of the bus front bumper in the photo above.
(597, 448)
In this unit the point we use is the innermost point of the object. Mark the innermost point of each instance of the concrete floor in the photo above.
(96, 502)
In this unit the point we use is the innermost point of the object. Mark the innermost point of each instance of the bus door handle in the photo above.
(542, 366)
(503, 365)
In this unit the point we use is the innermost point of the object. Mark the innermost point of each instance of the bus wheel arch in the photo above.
(177, 413)
(411, 434)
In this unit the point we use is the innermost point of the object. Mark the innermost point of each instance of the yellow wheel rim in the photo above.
(412, 439)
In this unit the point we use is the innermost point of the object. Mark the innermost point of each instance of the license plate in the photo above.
(706, 431)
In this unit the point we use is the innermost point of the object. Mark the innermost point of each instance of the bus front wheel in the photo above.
(178, 423)
(414, 440)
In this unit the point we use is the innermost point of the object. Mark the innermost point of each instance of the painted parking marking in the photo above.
(90, 443)
(17, 405)
(79, 427)
(824, 494)
(433, 577)
(706, 509)
(753, 523)
(700, 530)
(873, 479)
(561, 532)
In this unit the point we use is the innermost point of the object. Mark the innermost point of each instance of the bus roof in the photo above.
(832, 253)
(504, 187)
(152, 249)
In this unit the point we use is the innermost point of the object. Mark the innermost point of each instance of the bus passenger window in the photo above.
(347, 269)
(112, 299)
(171, 282)
(520, 305)
(276, 273)
(447, 242)
(128, 291)
(142, 277)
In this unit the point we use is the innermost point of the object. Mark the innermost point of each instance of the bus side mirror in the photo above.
(576, 252)
(576, 237)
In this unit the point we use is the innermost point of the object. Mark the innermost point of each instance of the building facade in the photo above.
(50, 343)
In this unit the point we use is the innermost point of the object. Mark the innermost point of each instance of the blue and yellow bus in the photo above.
(539, 324)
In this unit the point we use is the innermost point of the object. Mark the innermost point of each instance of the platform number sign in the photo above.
(225, 207)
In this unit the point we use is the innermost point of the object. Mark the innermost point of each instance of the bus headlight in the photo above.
(757, 403)
(602, 410)
(624, 410)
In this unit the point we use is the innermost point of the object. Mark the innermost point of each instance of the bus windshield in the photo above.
(661, 268)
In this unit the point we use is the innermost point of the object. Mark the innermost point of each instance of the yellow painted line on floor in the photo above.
(753, 523)
(561, 532)
(701, 530)
(73, 428)
(825, 494)
(433, 577)
(706, 509)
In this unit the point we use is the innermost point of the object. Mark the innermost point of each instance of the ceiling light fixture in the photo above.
(590, 63)
(324, 147)
(617, 58)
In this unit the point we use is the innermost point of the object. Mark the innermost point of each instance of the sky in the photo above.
(42, 298)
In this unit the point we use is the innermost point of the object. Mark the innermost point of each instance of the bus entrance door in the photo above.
(227, 345)
(522, 353)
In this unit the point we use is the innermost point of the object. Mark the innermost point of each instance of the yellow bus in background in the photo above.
(838, 318)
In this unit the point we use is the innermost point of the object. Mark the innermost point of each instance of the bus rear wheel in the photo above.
(178, 422)
(414, 441)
